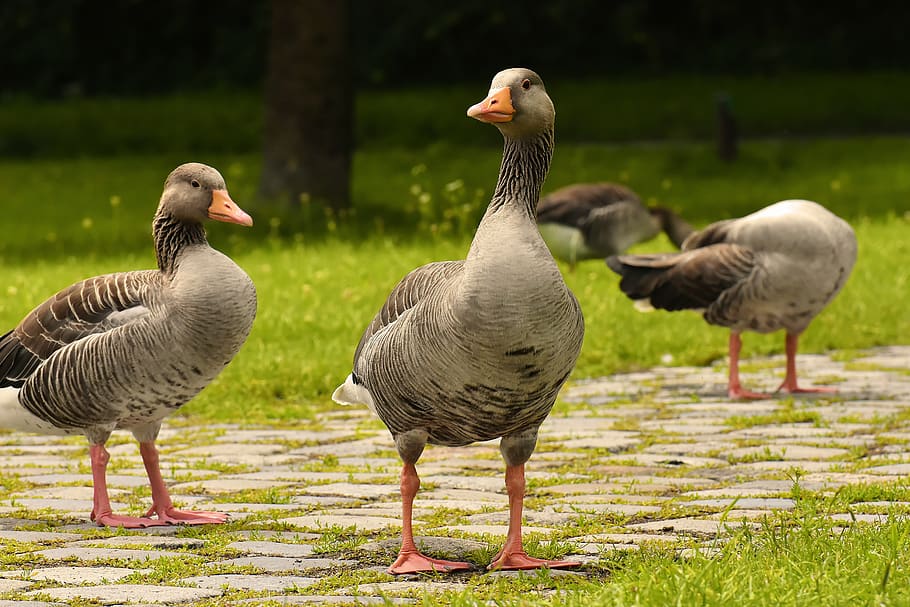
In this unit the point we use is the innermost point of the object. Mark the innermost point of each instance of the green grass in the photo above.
(812, 564)
(800, 559)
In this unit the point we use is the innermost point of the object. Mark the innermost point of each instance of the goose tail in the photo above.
(13, 416)
(9, 401)
(353, 392)
(642, 275)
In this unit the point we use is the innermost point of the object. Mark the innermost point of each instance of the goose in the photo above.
(596, 220)
(125, 350)
(477, 349)
(774, 269)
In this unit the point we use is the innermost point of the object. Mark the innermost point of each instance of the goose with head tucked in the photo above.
(125, 350)
(774, 269)
(597, 220)
(477, 349)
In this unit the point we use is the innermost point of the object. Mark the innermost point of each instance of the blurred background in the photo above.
(291, 92)
(296, 95)
(62, 48)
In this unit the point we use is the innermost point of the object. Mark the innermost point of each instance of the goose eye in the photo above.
(194, 183)
(525, 84)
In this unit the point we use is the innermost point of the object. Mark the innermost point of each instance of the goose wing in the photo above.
(94, 305)
(716, 233)
(413, 288)
(689, 280)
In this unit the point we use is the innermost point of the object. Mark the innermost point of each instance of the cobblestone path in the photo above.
(654, 456)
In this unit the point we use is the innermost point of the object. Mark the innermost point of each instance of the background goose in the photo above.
(126, 350)
(472, 350)
(774, 269)
(596, 220)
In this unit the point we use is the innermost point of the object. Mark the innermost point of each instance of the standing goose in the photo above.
(126, 350)
(774, 269)
(596, 220)
(476, 349)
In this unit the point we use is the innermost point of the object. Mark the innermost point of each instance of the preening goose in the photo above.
(125, 350)
(472, 350)
(596, 220)
(774, 269)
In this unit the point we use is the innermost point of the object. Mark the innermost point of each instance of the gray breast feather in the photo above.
(120, 318)
(461, 377)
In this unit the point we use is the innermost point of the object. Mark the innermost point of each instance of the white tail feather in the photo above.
(350, 393)
(13, 416)
(643, 305)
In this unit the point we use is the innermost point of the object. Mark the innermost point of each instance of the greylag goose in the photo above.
(774, 269)
(125, 350)
(477, 349)
(596, 220)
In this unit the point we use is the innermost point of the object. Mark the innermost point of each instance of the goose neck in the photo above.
(171, 237)
(525, 163)
(675, 227)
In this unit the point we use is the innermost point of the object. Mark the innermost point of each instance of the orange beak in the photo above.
(497, 107)
(225, 209)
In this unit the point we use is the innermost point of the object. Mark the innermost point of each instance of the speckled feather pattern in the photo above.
(125, 350)
(477, 349)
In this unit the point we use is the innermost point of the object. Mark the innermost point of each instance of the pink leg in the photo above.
(512, 555)
(790, 385)
(101, 507)
(161, 499)
(734, 388)
(410, 560)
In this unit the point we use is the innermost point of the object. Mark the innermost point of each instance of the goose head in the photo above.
(195, 192)
(517, 104)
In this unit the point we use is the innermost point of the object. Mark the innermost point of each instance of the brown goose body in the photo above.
(774, 269)
(596, 220)
(125, 350)
(476, 349)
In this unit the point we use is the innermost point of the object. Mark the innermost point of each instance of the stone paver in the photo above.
(273, 548)
(108, 554)
(74, 575)
(679, 465)
(280, 563)
(268, 583)
(113, 594)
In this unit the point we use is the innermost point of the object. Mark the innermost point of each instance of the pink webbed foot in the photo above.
(794, 389)
(741, 394)
(415, 562)
(109, 519)
(172, 516)
(814, 390)
(520, 560)
(790, 379)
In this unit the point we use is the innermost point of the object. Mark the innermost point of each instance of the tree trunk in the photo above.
(308, 103)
